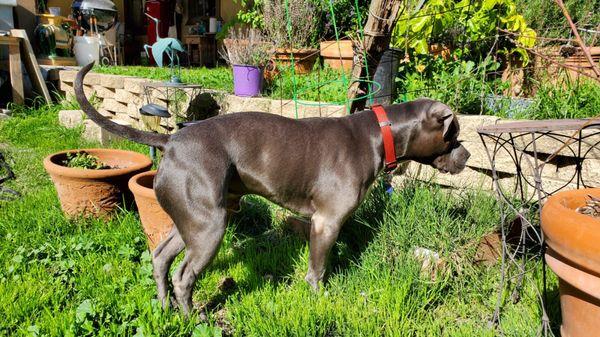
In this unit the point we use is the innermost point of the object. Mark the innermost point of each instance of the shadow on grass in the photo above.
(272, 253)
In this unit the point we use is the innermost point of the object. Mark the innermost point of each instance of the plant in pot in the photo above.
(248, 52)
(292, 26)
(93, 182)
(571, 225)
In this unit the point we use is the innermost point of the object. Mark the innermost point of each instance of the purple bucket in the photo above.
(247, 80)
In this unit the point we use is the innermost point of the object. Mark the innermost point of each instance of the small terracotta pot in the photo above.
(156, 222)
(574, 255)
(338, 55)
(84, 192)
(304, 59)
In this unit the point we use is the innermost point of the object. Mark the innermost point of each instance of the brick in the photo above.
(71, 118)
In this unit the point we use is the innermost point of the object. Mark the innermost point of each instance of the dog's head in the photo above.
(434, 139)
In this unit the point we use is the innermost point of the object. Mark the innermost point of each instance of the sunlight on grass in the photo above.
(94, 277)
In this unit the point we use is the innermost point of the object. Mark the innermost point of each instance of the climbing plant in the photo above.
(469, 24)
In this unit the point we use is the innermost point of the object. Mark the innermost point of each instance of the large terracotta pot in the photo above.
(304, 59)
(338, 55)
(84, 192)
(574, 255)
(156, 222)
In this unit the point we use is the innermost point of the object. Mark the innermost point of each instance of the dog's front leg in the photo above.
(323, 233)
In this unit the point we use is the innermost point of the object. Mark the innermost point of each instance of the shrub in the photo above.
(297, 30)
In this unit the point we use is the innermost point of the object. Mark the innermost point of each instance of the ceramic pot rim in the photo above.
(139, 189)
(140, 162)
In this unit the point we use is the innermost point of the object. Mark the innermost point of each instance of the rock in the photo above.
(71, 118)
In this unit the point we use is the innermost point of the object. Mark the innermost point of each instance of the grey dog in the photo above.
(320, 168)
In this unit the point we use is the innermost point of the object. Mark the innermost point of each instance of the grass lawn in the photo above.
(324, 85)
(93, 277)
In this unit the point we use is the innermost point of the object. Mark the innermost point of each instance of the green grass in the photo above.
(323, 84)
(93, 277)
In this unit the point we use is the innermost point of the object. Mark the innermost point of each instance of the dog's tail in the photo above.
(149, 138)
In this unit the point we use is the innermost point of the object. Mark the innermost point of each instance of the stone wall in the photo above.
(557, 173)
(120, 98)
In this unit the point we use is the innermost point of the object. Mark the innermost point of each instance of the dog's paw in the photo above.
(313, 282)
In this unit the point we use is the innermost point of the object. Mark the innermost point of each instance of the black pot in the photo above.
(385, 75)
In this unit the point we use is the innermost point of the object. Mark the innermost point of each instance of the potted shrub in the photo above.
(294, 42)
(156, 222)
(571, 225)
(338, 52)
(248, 53)
(93, 182)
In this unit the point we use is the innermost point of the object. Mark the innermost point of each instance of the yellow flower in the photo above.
(420, 68)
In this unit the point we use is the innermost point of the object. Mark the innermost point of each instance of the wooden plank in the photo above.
(57, 61)
(16, 75)
(33, 69)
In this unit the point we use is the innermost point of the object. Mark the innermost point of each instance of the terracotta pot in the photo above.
(574, 255)
(156, 222)
(304, 59)
(338, 55)
(84, 192)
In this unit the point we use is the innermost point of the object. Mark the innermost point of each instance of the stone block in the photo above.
(89, 91)
(93, 132)
(124, 96)
(67, 76)
(134, 84)
(71, 118)
(112, 81)
(106, 113)
(103, 92)
(124, 117)
(92, 79)
(469, 125)
(67, 88)
(235, 103)
(133, 110)
(111, 104)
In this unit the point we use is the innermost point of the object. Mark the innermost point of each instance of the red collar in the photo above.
(388, 138)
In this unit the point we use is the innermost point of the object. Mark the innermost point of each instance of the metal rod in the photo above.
(585, 50)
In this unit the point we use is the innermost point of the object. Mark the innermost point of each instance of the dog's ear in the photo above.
(444, 117)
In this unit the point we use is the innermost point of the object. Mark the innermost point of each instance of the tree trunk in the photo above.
(383, 15)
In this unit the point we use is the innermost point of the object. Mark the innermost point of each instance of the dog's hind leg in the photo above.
(205, 233)
(162, 258)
